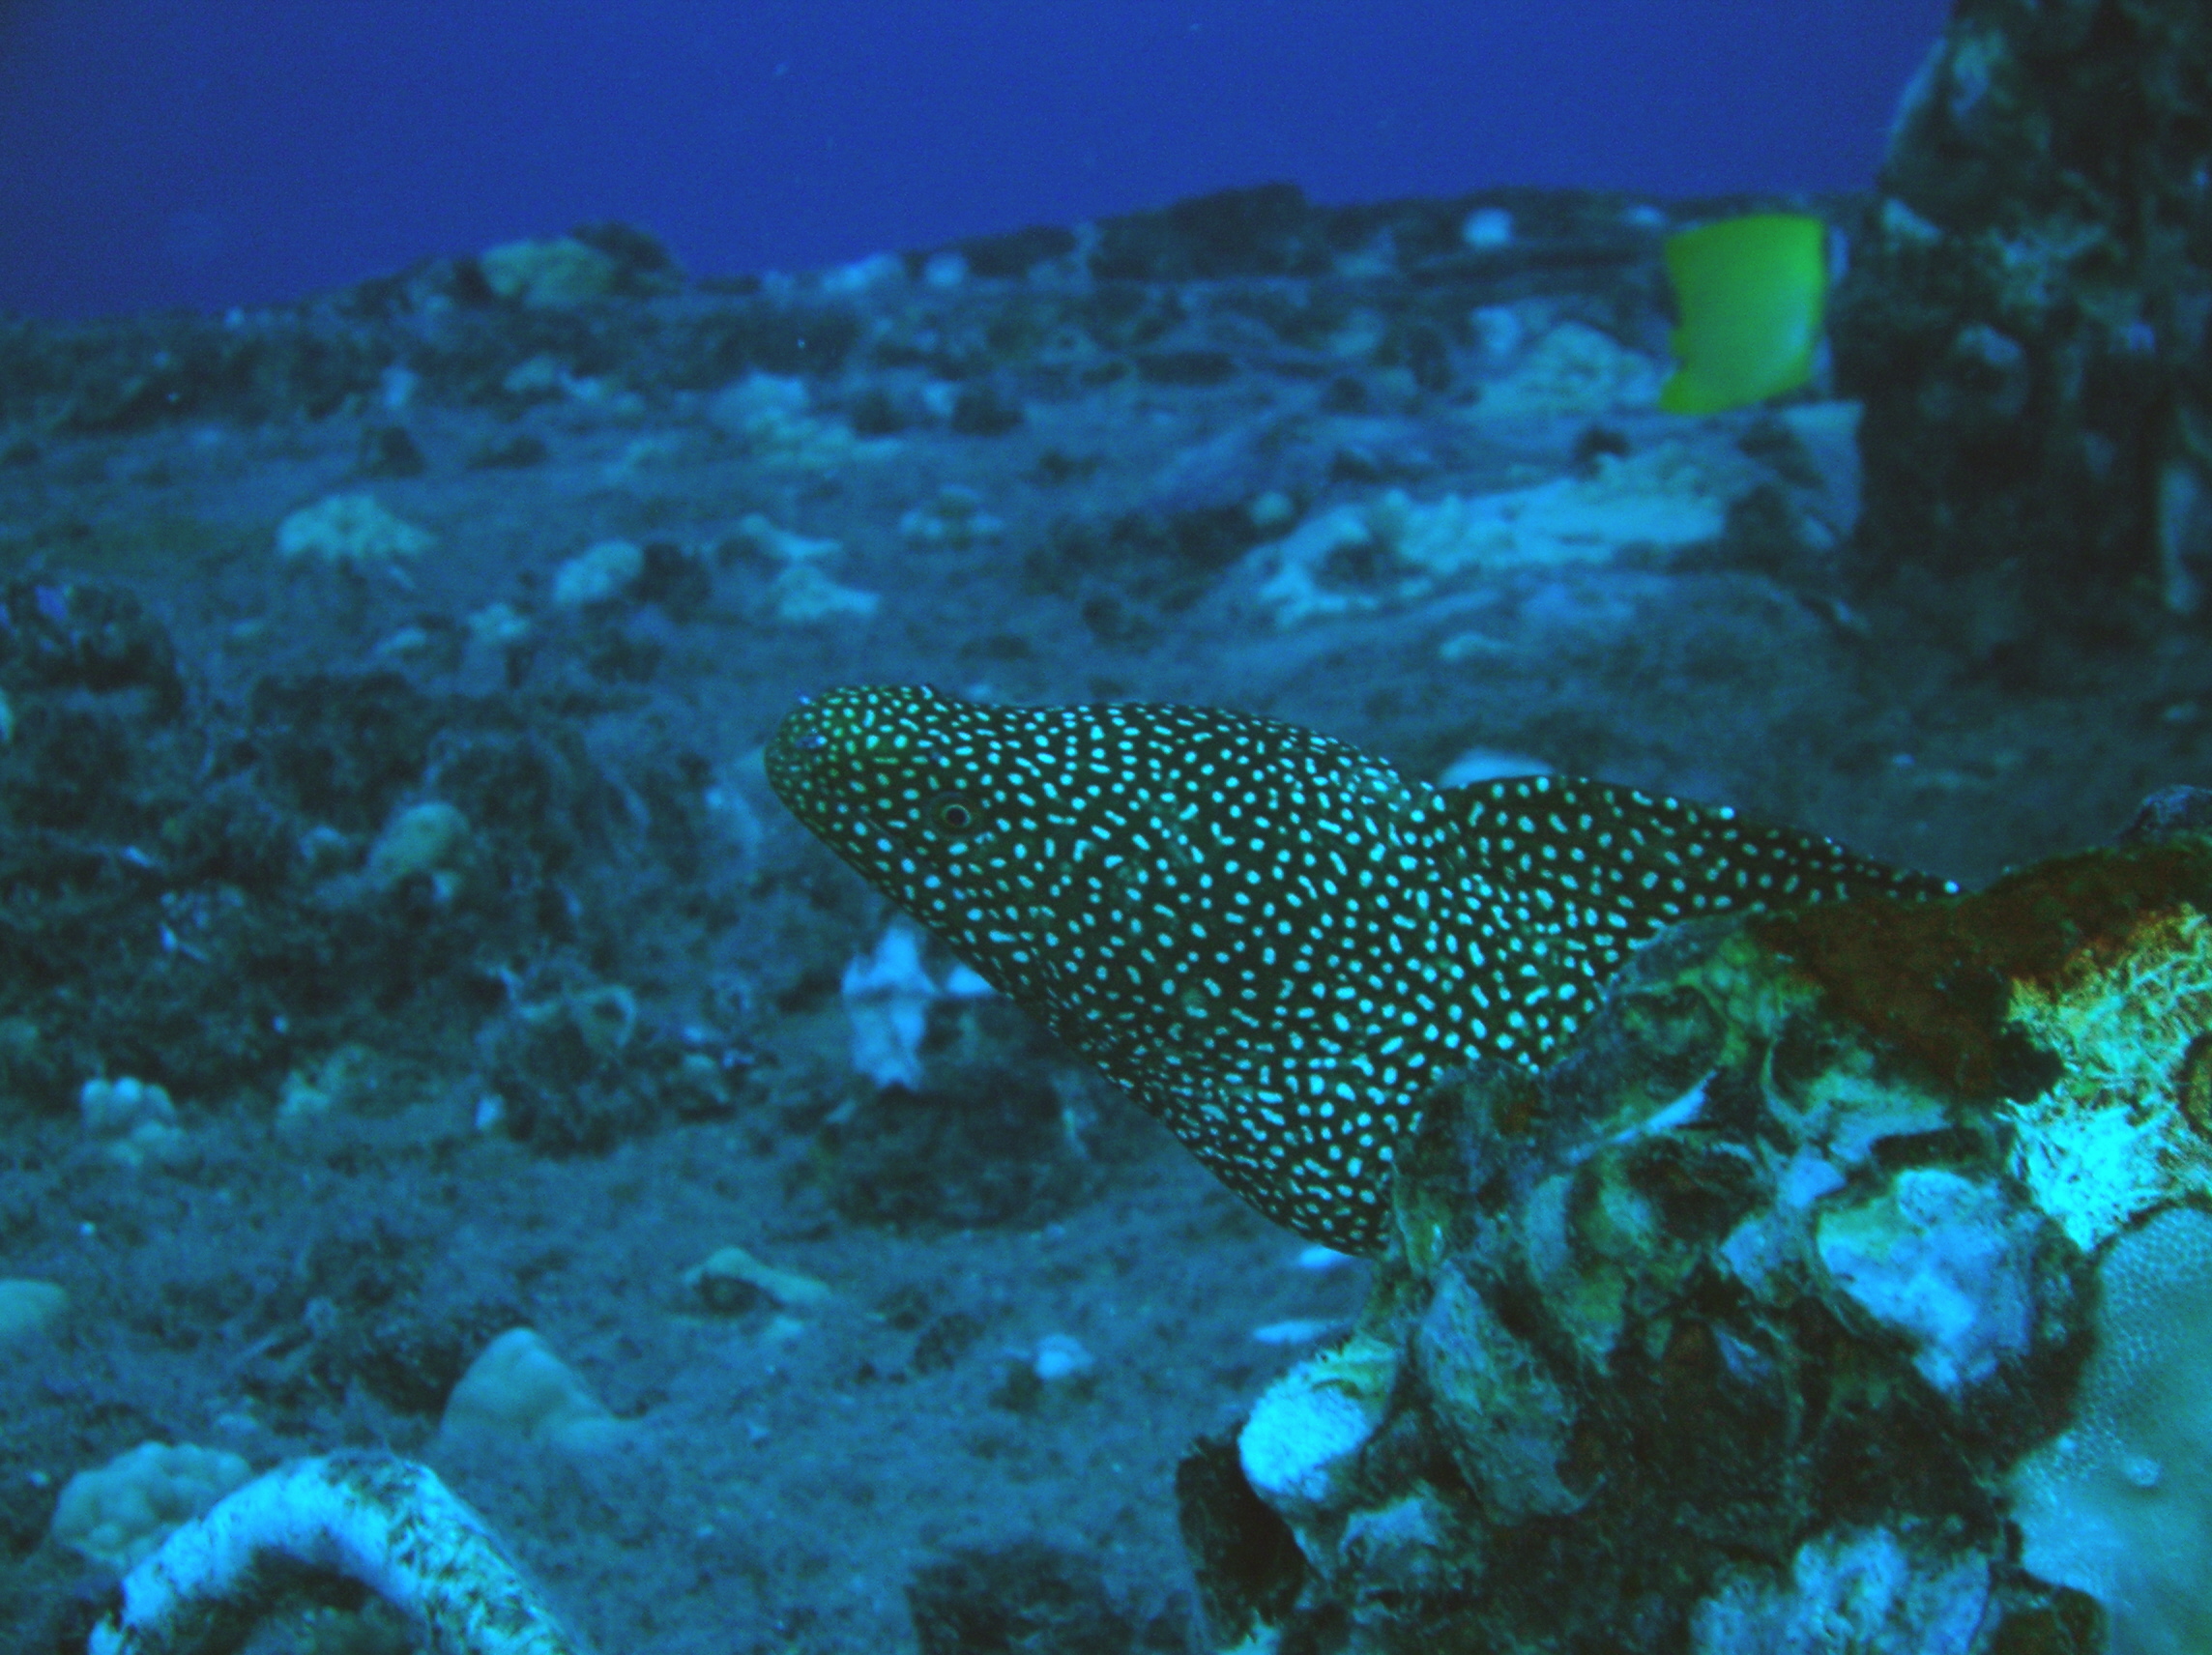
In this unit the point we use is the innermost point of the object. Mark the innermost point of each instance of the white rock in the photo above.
(349, 531)
(1310, 1423)
(600, 573)
(519, 1391)
(1062, 1356)
(1858, 1590)
(1945, 1261)
(1298, 1330)
(119, 1512)
(134, 1121)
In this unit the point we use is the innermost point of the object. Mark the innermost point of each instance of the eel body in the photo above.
(1274, 941)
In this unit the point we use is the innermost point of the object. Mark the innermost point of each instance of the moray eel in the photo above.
(1274, 941)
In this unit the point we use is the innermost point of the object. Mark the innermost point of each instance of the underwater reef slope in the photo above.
(1844, 1287)
(420, 1026)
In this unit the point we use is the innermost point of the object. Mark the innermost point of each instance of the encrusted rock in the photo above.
(1843, 1287)
(2026, 314)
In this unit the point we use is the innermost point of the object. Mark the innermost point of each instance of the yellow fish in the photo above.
(1749, 292)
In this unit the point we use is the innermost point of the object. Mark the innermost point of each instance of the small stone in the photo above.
(956, 518)
(349, 531)
(497, 626)
(430, 838)
(1298, 1330)
(340, 1082)
(134, 1121)
(520, 1391)
(1062, 1356)
(550, 274)
(601, 573)
(732, 1281)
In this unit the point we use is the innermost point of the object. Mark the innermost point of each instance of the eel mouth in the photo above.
(791, 759)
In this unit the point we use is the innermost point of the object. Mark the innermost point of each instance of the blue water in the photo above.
(239, 152)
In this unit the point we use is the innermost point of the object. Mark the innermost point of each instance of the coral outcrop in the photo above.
(1842, 1288)
(2025, 314)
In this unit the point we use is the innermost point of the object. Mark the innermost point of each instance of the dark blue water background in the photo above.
(229, 152)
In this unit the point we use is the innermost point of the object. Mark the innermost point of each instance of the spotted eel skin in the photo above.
(1274, 941)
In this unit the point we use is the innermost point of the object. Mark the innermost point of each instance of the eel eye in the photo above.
(952, 815)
